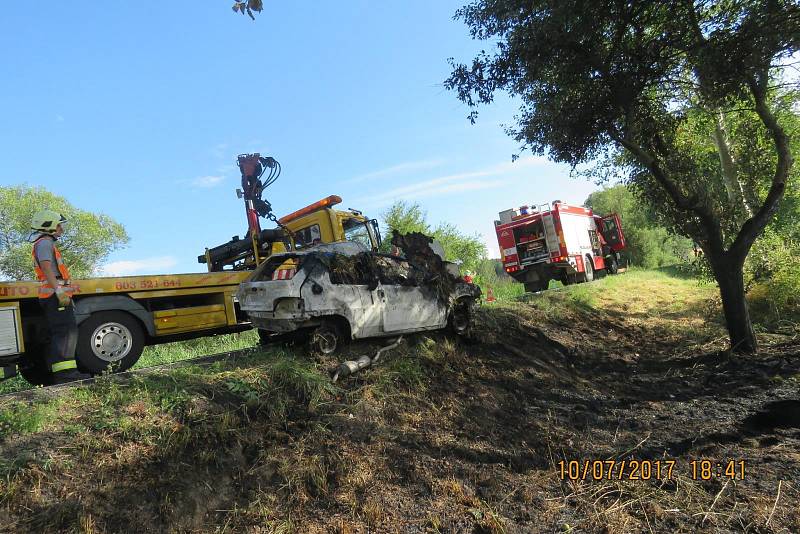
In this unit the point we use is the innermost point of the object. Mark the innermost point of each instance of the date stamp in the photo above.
(632, 469)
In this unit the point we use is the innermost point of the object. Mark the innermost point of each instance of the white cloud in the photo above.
(155, 265)
(504, 172)
(204, 182)
(396, 169)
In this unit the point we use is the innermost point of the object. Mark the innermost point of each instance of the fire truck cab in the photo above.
(557, 241)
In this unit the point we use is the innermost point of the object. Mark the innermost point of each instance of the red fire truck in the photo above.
(558, 242)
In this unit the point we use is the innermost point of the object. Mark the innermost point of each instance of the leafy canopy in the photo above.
(87, 241)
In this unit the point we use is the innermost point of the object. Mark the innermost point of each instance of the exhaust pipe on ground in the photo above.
(351, 367)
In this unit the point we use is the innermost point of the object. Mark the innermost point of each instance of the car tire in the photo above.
(326, 338)
(264, 337)
(109, 339)
(460, 319)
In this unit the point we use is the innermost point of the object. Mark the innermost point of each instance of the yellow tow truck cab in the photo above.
(118, 316)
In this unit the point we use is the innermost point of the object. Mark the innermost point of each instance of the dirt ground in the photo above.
(453, 435)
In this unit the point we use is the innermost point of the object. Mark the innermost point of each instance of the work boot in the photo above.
(63, 377)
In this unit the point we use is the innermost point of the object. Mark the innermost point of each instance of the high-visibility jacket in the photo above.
(45, 289)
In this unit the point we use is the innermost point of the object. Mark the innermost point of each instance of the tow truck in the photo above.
(556, 241)
(118, 316)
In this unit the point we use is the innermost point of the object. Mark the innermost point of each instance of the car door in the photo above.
(408, 307)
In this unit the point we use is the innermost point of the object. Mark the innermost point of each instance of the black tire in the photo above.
(326, 339)
(109, 339)
(264, 337)
(33, 368)
(588, 269)
(612, 265)
(460, 320)
(539, 285)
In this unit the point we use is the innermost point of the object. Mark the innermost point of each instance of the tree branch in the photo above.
(756, 224)
(687, 204)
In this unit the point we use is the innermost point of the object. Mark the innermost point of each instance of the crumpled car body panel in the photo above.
(372, 309)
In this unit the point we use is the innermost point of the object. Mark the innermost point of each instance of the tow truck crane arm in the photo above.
(247, 253)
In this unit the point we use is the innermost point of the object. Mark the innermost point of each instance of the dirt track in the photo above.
(467, 437)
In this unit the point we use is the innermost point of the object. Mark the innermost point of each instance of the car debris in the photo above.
(342, 291)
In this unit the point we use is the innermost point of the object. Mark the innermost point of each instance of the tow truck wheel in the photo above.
(109, 339)
(588, 269)
(326, 338)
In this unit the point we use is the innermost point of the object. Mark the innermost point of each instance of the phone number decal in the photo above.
(147, 284)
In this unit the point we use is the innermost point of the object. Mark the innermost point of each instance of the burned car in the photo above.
(342, 291)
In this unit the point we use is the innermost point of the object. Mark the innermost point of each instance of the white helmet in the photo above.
(47, 221)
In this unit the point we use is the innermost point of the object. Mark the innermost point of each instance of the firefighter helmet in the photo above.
(47, 221)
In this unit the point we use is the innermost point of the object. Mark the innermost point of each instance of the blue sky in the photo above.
(139, 109)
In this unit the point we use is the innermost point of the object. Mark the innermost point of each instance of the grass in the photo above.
(267, 441)
(193, 348)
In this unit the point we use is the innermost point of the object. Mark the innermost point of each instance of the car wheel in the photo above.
(264, 337)
(109, 339)
(326, 338)
(461, 316)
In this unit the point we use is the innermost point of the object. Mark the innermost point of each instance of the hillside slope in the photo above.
(445, 435)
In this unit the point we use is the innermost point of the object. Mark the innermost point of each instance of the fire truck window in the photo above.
(307, 237)
(609, 225)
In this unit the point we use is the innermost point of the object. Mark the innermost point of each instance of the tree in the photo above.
(636, 82)
(406, 218)
(87, 241)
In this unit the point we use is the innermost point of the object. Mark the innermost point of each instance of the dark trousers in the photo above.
(63, 331)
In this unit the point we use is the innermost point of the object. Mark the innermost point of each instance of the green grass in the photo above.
(194, 348)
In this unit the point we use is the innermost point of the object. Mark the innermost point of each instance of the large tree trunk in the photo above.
(728, 270)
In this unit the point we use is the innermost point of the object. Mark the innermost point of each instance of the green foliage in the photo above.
(772, 274)
(458, 247)
(87, 241)
(649, 244)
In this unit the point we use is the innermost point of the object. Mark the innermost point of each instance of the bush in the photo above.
(772, 277)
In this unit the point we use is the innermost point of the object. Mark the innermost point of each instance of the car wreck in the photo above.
(342, 291)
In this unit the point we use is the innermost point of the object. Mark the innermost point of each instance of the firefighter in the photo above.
(55, 297)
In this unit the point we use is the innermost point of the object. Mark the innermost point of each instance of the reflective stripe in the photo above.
(63, 366)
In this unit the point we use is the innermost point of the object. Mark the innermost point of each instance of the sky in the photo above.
(139, 109)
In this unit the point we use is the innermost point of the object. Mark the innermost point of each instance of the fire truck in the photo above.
(557, 241)
(118, 316)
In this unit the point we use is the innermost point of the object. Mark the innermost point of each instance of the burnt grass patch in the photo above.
(444, 435)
